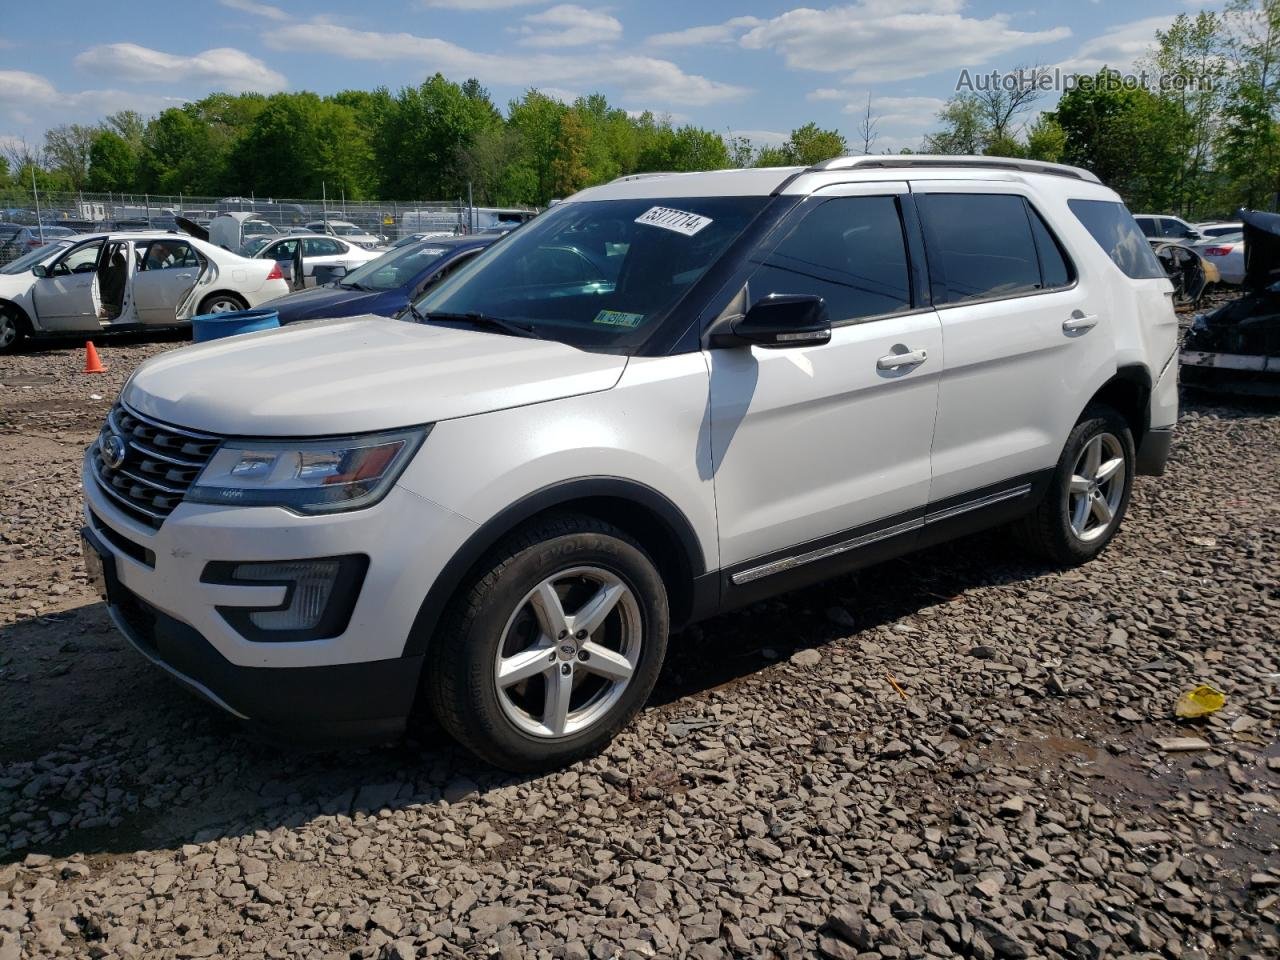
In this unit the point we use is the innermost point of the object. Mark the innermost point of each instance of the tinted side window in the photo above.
(979, 246)
(1055, 269)
(1171, 228)
(849, 251)
(1111, 225)
(1148, 226)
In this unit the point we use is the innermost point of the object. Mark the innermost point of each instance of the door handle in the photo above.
(1079, 322)
(911, 358)
(185, 276)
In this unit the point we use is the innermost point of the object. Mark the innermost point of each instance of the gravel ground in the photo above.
(956, 754)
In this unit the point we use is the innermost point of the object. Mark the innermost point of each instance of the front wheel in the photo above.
(12, 331)
(552, 648)
(1089, 491)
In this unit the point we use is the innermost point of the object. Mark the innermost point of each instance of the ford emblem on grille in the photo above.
(113, 450)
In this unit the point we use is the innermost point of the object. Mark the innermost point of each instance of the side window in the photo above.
(1055, 268)
(979, 246)
(80, 260)
(168, 255)
(320, 247)
(848, 250)
(1171, 228)
(284, 250)
(1111, 225)
(1147, 225)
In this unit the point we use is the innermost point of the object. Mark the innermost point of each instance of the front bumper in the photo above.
(358, 679)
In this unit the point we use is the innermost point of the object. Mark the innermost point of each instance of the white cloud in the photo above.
(29, 100)
(726, 32)
(476, 4)
(223, 68)
(877, 40)
(568, 25)
(256, 9)
(825, 93)
(660, 81)
(1117, 47)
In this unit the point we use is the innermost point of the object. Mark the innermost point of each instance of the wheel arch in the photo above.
(23, 318)
(221, 292)
(1129, 393)
(643, 513)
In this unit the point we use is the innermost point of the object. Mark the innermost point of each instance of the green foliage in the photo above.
(113, 163)
(964, 130)
(1046, 140)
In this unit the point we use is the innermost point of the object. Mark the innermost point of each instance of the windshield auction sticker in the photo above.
(616, 318)
(678, 220)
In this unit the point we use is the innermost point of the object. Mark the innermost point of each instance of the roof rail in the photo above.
(892, 160)
(643, 176)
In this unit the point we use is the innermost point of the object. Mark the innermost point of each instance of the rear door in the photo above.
(1024, 340)
(67, 298)
(168, 270)
(820, 450)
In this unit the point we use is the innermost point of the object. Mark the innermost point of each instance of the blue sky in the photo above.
(755, 68)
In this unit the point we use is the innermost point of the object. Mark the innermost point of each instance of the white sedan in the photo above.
(317, 251)
(127, 281)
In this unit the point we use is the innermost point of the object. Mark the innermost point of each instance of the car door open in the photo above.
(66, 292)
(168, 271)
(821, 450)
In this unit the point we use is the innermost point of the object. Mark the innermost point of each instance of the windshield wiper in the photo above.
(511, 327)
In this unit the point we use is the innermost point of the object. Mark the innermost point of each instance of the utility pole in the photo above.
(471, 210)
(36, 194)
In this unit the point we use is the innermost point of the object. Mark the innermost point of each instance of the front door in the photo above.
(827, 447)
(168, 269)
(1026, 343)
(67, 297)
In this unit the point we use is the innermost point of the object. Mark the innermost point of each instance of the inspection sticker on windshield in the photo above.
(678, 220)
(616, 318)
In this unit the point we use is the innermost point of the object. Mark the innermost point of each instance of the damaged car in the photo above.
(1237, 346)
(105, 283)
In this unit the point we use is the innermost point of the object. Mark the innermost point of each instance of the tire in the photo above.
(221, 302)
(1067, 527)
(13, 330)
(500, 621)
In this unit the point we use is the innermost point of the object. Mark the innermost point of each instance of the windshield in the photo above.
(258, 227)
(39, 255)
(395, 268)
(346, 230)
(601, 273)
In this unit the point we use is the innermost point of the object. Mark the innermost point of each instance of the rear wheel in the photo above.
(221, 303)
(1089, 492)
(12, 330)
(552, 648)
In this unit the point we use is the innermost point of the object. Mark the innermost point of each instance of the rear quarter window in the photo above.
(1112, 226)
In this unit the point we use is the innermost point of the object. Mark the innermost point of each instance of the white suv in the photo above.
(665, 397)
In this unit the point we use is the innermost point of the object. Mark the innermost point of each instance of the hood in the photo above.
(1261, 248)
(357, 375)
(318, 301)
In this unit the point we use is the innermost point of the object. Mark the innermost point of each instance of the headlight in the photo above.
(307, 476)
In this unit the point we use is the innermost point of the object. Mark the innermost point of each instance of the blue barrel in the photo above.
(215, 326)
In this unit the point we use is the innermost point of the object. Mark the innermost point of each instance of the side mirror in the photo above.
(779, 321)
(336, 271)
(40, 270)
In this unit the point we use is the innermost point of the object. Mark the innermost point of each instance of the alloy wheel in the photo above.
(8, 331)
(559, 672)
(223, 305)
(1097, 487)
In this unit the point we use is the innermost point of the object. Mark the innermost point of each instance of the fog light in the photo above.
(311, 585)
(319, 597)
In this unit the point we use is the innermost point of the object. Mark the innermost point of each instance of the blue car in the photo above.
(385, 285)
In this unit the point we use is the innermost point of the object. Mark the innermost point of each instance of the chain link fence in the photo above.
(23, 214)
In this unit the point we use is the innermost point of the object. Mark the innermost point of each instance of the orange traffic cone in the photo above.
(91, 362)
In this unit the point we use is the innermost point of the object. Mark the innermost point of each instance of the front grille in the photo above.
(160, 464)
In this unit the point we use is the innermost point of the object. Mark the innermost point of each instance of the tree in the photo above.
(868, 128)
(1046, 140)
(113, 163)
(129, 125)
(811, 144)
(1190, 61)
(1248, 145)
(179, 154)
(1125, 134)
(417, 142)
(569, 172)
(66, 149)
(1000, 105)
(964, 129)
